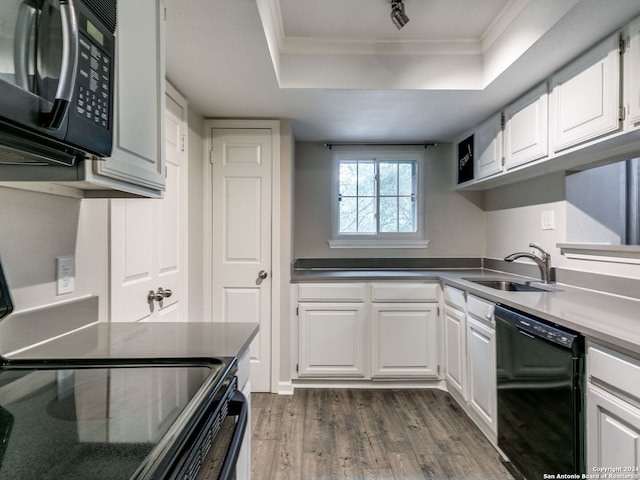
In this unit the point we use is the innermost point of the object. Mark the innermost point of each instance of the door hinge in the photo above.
(297, 368)
(297, 311)
(622, 114)
(438, 311)
(502, 121)
(182, 144)
(438, 370)
(622, 45)
(211, 157)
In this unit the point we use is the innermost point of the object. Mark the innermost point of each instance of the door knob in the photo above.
(158, 296)
(262, 274)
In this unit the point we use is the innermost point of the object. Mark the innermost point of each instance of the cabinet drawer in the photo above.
(480, 308)
(332, 292)
(454, 297)
(404, 292)
(615, 369)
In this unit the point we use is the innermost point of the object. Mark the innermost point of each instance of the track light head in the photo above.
(398, 17)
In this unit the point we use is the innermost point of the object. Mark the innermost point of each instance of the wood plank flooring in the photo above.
(319, 434)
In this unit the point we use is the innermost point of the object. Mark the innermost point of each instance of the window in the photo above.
(377, 199)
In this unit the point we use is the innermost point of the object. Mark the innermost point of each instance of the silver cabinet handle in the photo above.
(262, 274)
(158, 296)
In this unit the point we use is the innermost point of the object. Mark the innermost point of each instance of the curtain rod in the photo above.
(425, 145)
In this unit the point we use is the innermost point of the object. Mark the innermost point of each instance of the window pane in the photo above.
(389, 214)
(366, 215)
(348, 178)
(406, 174)
(348, 215)
(388, 178)
(406, 215)
(366, 179)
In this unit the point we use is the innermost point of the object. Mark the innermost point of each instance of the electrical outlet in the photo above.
(65, 274)
(548, 220)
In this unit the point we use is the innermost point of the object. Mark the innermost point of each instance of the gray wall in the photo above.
(454, 220)
(36, 228)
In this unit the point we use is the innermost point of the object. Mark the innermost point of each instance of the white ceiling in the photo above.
(341, 71)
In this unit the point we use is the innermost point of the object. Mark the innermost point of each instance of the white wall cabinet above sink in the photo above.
(526, 127)
(589, 114)
(585, 96)
(487, 148)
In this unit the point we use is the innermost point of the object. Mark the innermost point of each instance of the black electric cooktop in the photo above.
(110, 423)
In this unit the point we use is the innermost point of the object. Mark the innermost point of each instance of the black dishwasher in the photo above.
(540, 403)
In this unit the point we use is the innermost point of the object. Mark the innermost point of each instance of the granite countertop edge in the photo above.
(603, 317)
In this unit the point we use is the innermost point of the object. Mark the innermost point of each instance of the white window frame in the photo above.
(379, 240)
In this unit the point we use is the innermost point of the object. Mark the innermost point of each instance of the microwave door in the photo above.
(18, 43)
(24, 53)
(38, 50)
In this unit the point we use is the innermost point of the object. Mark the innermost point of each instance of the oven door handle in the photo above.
(238, 406)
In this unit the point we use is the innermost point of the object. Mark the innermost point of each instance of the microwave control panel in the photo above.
(93, 85)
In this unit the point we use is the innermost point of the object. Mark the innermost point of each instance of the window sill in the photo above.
(378, 243)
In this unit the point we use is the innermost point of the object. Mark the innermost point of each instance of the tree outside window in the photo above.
(377, 196)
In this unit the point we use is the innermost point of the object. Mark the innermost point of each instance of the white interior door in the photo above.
(241, 234)
(149, 238)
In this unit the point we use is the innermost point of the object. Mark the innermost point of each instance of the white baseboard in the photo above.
(285, 388)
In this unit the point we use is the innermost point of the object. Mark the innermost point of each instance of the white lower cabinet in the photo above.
(455, 369)
(481, 356)
(470, 357)
(332, 340)
(364, 331)
(613, 412)
(404, 340)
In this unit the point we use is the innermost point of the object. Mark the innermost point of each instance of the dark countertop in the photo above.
(147, 340)
(599, 316)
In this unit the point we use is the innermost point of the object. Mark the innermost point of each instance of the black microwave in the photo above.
(56, 80)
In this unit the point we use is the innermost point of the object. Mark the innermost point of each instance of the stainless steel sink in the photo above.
(511, 285)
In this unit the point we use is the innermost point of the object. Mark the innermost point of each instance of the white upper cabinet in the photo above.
(585, 97)
(526, 128)
(137, 161)
(633, 74)
(488, 147)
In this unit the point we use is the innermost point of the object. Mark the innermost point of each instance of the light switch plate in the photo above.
(65, 274)
(548, 220)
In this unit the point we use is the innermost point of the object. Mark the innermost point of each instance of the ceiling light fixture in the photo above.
(398, 17)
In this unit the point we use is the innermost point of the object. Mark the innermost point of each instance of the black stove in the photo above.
(117, 418)
(126, 421)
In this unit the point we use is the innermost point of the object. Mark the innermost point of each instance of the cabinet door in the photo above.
(404, 340)
(633, 78)
(613, 432)
(138, 142)
(332, 340)
(488, 147)
(585, 97)
(526, 128)
(481, 358)
(455, 350)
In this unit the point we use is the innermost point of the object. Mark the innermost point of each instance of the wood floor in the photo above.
(367, 434)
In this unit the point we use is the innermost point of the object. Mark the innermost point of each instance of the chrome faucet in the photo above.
(543, 261)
